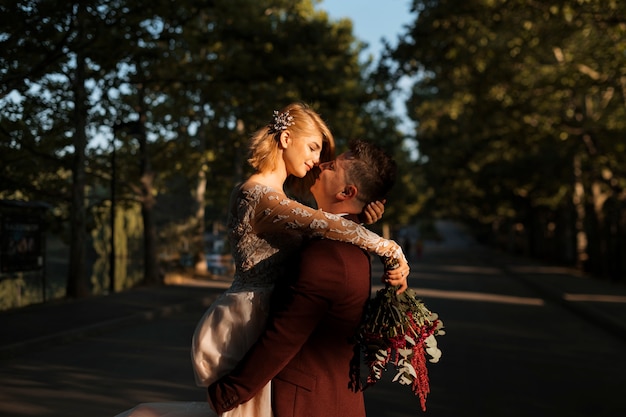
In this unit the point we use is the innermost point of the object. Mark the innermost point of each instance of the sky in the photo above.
(371, 21)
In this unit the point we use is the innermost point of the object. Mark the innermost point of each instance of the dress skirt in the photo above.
(227, 330)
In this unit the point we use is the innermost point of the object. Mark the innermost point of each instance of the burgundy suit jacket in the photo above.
(306, 349)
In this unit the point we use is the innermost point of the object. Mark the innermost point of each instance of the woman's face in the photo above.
(302, 153)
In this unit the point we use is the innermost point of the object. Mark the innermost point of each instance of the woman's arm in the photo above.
(275, 212)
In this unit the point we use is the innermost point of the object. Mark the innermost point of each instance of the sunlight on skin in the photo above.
(474, 296)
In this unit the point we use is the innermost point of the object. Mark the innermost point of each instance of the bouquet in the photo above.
(397, 329)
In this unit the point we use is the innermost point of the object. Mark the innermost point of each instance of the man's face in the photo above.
(331, 180)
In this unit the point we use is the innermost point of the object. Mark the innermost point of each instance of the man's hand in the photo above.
(372, 212)
(222, 397)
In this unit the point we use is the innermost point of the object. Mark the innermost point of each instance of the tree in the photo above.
(516, 109)
(176, 89)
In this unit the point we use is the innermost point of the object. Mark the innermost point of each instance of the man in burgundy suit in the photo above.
(306, 349)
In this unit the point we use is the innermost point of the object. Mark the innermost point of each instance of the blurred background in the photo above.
(124, 126)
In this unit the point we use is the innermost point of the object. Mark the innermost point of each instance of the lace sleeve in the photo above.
(275, 211)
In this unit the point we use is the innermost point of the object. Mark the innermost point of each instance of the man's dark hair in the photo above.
(371, 169)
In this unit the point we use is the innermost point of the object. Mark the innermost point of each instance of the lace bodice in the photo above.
(266, 230)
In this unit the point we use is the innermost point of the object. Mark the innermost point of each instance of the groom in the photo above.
(306, 349)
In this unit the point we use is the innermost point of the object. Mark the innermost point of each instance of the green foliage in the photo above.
(507, 95)
(176, 89)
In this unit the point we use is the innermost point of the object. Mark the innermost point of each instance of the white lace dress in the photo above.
(266, 231)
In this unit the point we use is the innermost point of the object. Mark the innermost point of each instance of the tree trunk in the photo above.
(200, 260)
(152, 274)
(76, 285)
(578, 200)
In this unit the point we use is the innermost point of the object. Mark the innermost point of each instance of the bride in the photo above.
(266, 230)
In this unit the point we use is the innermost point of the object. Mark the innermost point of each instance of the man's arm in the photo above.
(321, 279)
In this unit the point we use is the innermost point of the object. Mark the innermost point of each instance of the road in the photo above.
(507, 352)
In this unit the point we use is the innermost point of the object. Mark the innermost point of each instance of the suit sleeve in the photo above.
(322, 280)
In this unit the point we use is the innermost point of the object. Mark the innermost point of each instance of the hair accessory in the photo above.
(280, 122)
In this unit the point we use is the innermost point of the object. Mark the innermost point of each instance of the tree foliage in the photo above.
(520, 114)
(153, 102)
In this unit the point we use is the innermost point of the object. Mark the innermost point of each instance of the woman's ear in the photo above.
(285, 138)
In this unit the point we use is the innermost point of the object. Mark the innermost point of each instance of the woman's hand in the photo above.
(398, 276)
(372, 212)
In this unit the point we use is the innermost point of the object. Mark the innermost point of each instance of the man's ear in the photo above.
(349, 192)
(284, 139)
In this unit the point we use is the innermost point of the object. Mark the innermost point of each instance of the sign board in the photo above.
(21, 245)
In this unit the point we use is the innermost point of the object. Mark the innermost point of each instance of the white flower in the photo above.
(405, 353)
(402, 379)
(432, 349)
(406, 373)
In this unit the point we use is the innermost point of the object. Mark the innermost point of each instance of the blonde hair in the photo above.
(264, 145)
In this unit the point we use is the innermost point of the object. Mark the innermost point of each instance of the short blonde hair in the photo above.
(264, 144)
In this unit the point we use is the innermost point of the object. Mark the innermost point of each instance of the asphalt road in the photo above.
(507, 353)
